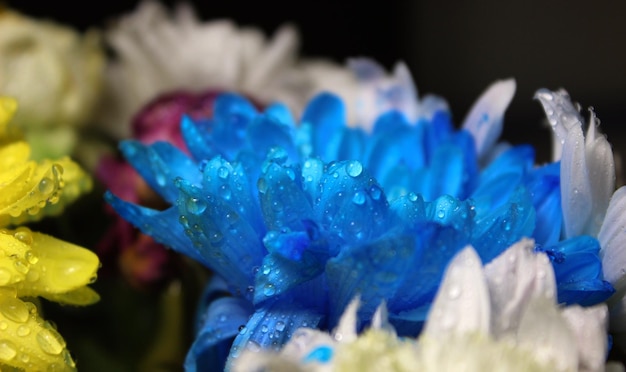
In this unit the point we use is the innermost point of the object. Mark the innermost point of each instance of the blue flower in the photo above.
(296, 221)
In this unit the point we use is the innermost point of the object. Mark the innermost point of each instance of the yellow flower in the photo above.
(34, 264)
(55, 74)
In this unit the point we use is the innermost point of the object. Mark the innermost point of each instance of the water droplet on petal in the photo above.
(196, 206)
(223, 173)
(46, 185)
(262, 185)
(354, 168)
(243, 329)
(14, 309)
(7, 350)
(23, 330)
(280, 326)
(269, 290)
(358, 198)
(454, 292)
(375, 192)
(50, 341)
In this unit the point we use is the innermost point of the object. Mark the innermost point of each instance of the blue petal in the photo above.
(198, 140)
(272, 325)
(373, 271)
(497, 229)
(264, 133)
(351, 204)
(504, 174)
(229, 182)
(585, 293)
(232, 116)
(283, 202)
(446, 172)
(159, 164)
(223, 319)
(544, 186)
(326, 114)
(281, 113)
(229, 244)
(279, 274)
(163, 226)
(437, 131)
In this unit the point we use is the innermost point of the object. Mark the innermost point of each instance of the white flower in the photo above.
(55, 74)
(158, 52)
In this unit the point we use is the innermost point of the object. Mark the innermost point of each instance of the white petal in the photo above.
(462, 302)
(589, 328)
(346, 329)
(515, 278)
(576, 201)
(484, 120)
(612, 239)
(560, 111)
(431, 104)
(380, 320)
(601, 169)
(546, 334)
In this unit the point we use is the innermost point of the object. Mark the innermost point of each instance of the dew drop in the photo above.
(23, 331)
(441, 214)
(7, 350)
(50, 341)
(262, 185)
(454, 292)
(196, 206)
(375, 192)
(358, 198)
(354, 168)
(3, 325)
(243, 329)
(14, 310)
(31, 257)
(223, 173)
(264, 328)
(269, 290)
(21, 266)
(412, 197)
(46, 186)
(280, 326)
(24, 235)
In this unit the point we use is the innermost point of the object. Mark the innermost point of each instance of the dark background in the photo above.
(454, 49)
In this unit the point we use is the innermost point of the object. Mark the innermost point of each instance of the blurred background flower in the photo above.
(56, 74)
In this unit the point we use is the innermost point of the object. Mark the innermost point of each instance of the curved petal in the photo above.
(612, 239)
(515, 278)
(222, 320)
(462, 301)
(271, 326)
(30, 343)
(484, 120)
(160, 164)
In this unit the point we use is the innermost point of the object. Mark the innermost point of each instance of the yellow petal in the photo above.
(7, 110)
(80, 297)
(27, 341)
(36, 264)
